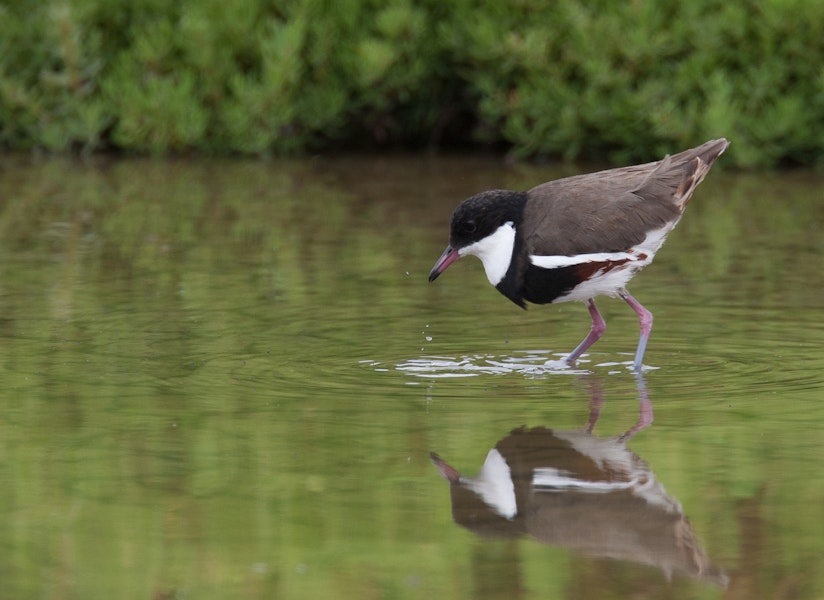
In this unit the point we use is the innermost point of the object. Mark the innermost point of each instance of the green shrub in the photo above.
(600, 80)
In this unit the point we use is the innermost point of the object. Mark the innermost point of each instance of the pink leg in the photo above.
(595, 332)
(645, 320)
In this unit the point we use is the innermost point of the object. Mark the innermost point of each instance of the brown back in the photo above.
(612, 210)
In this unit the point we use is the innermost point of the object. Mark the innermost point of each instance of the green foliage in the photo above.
(595, 80)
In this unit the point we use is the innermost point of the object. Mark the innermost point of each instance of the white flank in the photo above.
(654, 240)
(608, 454)
(612, 456)
(494, 485)
(495, 251)
(602, 283)
(550, 479)
(611, 278)
(554, 262)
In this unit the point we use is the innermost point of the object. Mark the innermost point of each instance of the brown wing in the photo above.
(610, 211)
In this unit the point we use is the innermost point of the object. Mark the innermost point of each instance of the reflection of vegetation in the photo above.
(182, 410)
(572, 79)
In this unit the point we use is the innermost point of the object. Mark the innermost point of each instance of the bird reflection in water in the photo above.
(588, 494)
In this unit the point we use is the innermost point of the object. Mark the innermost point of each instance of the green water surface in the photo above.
(224, 380)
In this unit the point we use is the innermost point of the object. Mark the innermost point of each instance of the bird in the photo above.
(579, 237)
(572, 489)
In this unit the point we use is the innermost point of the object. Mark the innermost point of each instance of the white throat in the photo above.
(494, 485)
(495, 251)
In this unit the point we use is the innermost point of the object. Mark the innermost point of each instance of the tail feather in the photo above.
(677, 176)
(697, 169)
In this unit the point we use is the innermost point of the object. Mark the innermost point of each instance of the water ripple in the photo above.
(533, 364)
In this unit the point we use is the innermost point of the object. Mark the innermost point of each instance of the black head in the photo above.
(475, 219)
(479, 216)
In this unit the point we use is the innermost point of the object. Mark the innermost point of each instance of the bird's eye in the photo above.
(470, 226)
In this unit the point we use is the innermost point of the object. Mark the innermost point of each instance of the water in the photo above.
(225, 379)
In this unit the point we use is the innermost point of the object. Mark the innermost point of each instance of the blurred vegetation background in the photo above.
(595, 80)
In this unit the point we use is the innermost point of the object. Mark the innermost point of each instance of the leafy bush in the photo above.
(597, 80)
